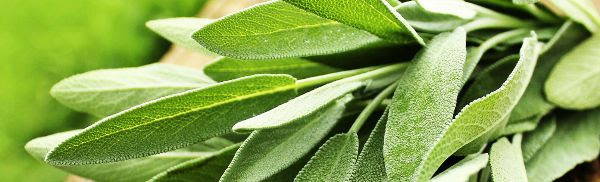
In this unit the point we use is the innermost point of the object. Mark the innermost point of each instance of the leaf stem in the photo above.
(501, 37)
(540, 14)
(371, 107)
(323, 79)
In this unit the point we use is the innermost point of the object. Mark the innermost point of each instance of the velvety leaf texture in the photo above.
(423, 105)
(266, 152)
(105, 92)
(179, 31)
(226, 68)
(375, 16)
(428, 21)
(371, 164)
(277, 29)
(581, 11)
(576, 140)
(533, 141)
(462, 170)
(507, 162)
(175, 121)
(574, 82)
(334, 161)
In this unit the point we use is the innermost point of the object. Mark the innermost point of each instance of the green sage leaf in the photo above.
(269, 151)
(506, 162)
(371, 164)
(179, 31)
(423, 105)
(428, 21)
(175, 121)
(277, 29)
(533, 141)
(334, 161)
(464, 169)
(576, 91)
(375, 16)
(455, 8)
(576, 140)
(226, 68)
(581, 11)
(140, 169)
(105, 92)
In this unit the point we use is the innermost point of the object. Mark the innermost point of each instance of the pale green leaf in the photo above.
(371, 165)
(525, 1)
(574, 83)
(533, 141)
(533, 104)
(277, 29)
(334, 161)
(269, 151)
(464, 169)
(455, 8)
(318, 98)
(521, 126)
(576, 140)
(226, 68)
(140, 169)
(483, 114)
(175, 121)
(423, 105)
(179, 31)
(105, 92)
(507, 162)
(428, 21)
(581, 11)
(209, 168)
(375, 16)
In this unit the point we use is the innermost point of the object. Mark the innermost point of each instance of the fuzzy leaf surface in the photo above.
(428, 21)
(140, 169)
(334, 161)
(371, 164)
(506, 162)
(180, 30)
(226, 68)
(574, 82)
(462, 170)
(533, 141)
(576, 140)
(375, 16)
(269, 151)
(581, 11)
(105, 92)
(423, 105)
(175, 121)
(277, 29)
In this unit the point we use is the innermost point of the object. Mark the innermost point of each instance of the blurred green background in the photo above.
(44, 41)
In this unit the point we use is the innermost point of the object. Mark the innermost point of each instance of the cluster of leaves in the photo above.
(348, 90)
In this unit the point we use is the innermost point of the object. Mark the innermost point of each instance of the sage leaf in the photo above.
(506, 162)
(269, 151)
(226, 68)
(209, 168)
(462, 170)
(105, 92)
(423, 105)
(521, 126)
(334, 161)
(455, 8)
(533, 104)
(533, 141)
(272, 30)
(525, 1)
(375, 16)
(179, 31)
(483, 114)
(576, 91)
(140, 169)
(576, 140)
(318, 98)
(371, 164)
(175, 121)
(581, 11)
(428, 21)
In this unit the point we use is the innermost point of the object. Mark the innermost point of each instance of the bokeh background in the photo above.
(44, 41)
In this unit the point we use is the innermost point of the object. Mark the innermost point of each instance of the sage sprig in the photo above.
(292, 96)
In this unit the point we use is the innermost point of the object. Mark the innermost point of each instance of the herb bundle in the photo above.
(346, 90)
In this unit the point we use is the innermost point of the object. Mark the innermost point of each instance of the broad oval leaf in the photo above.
(576, 140)
(506, 162)
(375, 16)
(423, 105)
(140, 169)
(371, 164)
(483, 114)
(534, 140)
(175, 121)
(455, 8)
(209, 168)
(269, 151)
(334, 161)
(574, 82)
(226, 68)
(464, 169)
(581, 11)
(105, 92)
(428, 21)
(180, 30)
(277, 29)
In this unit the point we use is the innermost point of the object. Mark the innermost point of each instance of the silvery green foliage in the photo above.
(276, 105)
